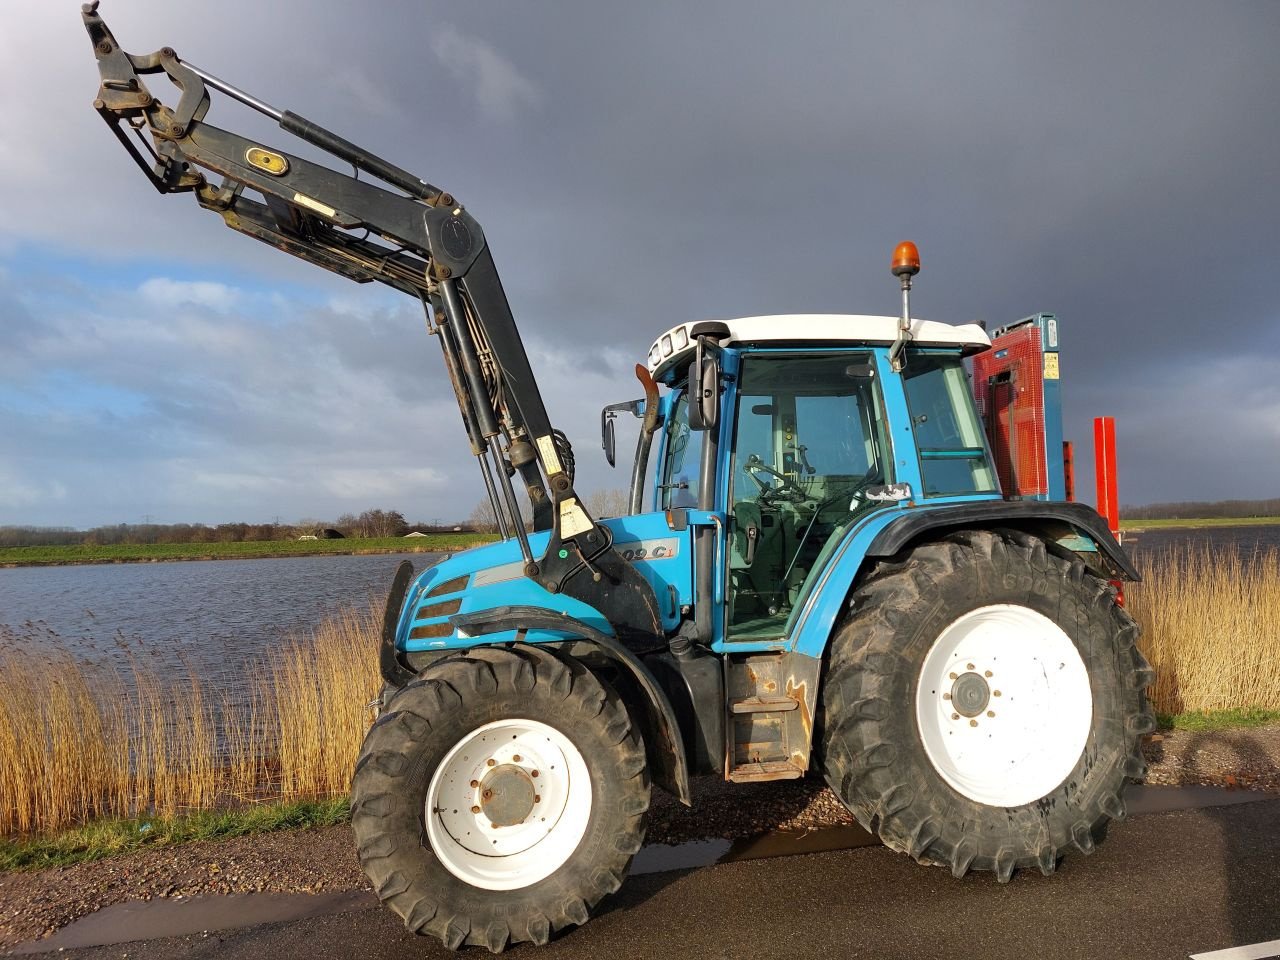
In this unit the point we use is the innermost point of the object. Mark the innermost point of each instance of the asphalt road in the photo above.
(1163, 886)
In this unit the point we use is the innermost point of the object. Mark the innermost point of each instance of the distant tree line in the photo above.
(370, 523)
(1203, 508)
(601, 504)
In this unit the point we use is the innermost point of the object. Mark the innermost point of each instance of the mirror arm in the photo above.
(645, 443)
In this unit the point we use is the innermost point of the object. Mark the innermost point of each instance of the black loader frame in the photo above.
(413, 237)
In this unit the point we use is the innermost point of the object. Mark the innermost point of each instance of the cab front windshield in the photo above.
(808, 444)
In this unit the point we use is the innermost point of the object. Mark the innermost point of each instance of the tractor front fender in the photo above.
(1034, 516)
(394, 672)
(664, 744)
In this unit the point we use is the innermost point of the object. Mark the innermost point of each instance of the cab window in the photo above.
(949, 439)
(682, 458)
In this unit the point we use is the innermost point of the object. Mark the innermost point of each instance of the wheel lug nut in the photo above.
(946, 696)
(968, 666)
(475, 783)
(475, 809)
(536, 798)
(515, 758)
(991, 713)
(954, 676)
(490, 762)
(955, 716)
(995, 693)
(988, 673)
(973, 723)
(533, 773)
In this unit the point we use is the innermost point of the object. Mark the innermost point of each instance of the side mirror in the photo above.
(607, 439)
(704, 389)
(635, 407)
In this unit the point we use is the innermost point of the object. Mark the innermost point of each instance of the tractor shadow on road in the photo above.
(1250, 845)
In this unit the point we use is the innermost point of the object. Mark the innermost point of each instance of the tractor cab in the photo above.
(811, 432)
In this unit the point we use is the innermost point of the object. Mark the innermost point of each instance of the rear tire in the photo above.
(996, 765)
(492, 717)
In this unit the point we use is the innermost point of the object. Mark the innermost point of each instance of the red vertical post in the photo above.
(1104, 463)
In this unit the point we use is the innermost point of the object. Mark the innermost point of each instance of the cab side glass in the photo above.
(683, 457)
(949, 438)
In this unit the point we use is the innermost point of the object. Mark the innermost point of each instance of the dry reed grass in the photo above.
(1210, 627)
(80, 741)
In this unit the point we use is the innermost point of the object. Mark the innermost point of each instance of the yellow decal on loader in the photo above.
(303, 200)
(273, 163)
(573, 519)
(547, 450)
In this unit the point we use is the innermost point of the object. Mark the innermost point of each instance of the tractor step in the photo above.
(764, 704)
(770, 770)
(766, 733)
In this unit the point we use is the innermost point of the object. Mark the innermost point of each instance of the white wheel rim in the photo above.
(1027, 737)
(508, 757)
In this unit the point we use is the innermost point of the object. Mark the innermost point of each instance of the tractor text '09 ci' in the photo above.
(828, 579)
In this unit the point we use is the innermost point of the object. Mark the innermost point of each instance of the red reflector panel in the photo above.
(1008, 384)
(1119, 588)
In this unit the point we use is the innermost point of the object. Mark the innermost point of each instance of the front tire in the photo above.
(499, 797)
(984, 703)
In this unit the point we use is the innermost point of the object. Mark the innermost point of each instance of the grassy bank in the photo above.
(142, 553)
(1206, 720)
(108, 838)
(1172, 523)
(81, 744)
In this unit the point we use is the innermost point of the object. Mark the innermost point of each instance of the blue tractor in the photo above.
(818, 575)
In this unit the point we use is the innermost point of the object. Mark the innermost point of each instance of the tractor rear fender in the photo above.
(887, 533)
(650, 708)
(1048, 519)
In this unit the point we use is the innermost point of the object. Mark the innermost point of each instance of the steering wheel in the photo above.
(787, 488)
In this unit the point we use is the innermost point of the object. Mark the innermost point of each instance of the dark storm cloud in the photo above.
(638, 165)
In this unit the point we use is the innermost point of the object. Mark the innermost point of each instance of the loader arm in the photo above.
(413, 237)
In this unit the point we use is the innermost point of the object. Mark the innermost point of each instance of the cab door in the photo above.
(807, 446)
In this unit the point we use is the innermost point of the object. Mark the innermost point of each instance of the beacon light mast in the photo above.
(906, 264)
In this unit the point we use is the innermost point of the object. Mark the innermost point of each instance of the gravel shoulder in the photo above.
(34, 904)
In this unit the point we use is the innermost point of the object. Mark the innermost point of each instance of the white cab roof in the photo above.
(805, 328)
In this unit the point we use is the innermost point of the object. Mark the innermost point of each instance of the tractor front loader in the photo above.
(827, 577)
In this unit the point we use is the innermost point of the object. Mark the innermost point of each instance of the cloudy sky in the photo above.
(636, 165)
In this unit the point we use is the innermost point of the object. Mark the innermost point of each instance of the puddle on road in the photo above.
(152, 919)
(659, 857)
(149, 920)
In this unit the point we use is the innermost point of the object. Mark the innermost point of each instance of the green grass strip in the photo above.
(246, 550)
(1171, 523)
(109, 838)
(1207, 720)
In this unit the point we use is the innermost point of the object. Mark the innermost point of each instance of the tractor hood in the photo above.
(492, 575)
